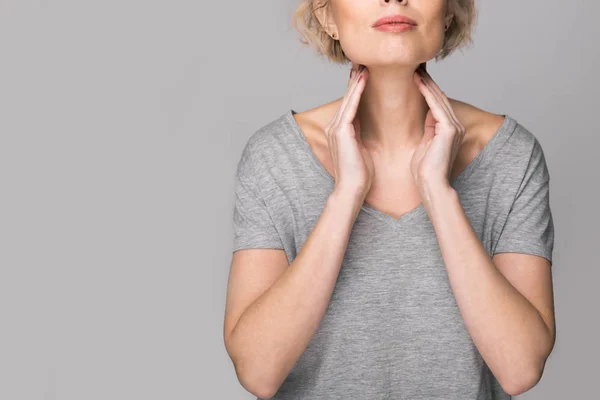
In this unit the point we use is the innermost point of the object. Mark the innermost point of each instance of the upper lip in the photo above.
(394, 18)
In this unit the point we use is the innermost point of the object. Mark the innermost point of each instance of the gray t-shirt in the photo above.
(392, 329)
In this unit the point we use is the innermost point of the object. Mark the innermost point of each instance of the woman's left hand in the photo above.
(432, 162)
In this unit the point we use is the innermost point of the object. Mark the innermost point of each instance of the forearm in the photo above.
(508, 331)
(274, 331)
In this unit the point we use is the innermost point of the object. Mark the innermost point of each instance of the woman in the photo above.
(393, 243)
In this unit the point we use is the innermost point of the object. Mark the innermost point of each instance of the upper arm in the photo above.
(258, 253)
(523, 250)
(251, 273)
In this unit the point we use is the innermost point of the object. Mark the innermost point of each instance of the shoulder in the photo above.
(267, 145)
(516, 151)
(482, 125)
(269, 133)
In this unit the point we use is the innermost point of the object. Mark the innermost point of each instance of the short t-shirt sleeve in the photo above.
(253, 227)
(529, 227)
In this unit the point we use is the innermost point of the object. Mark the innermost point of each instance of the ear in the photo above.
(323, 14)
(449, 19)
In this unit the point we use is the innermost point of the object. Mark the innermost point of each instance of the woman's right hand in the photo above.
(353, 166)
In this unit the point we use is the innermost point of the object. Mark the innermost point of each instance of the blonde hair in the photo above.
(458, 35)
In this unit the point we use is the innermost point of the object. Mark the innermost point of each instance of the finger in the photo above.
(346, 97)
(433, 85)
(429, 134)
(439, 93)
(333, 122)
(360, 73)
(351, 84)
(353, 71)
(356, 123)
(333, 147)
(327, 128)
(438, 111)
(349, 112)
(427, 81)
(427, 78)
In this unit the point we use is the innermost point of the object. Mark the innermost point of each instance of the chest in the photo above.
(392, 319)
(390, 262)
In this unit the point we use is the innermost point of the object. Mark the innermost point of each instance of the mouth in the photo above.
(394, 23)
(394, 20)
(395, 27)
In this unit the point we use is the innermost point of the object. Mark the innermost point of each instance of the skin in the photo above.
(395, 143)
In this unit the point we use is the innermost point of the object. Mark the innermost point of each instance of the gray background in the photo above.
(122, 123)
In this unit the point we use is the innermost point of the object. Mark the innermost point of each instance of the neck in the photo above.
(391, 111)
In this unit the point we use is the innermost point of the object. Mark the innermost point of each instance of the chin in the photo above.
(399, 57)
(397, 62)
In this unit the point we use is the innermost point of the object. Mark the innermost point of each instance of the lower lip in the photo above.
(395, 27)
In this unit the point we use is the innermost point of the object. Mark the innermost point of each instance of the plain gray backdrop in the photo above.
(122, 123)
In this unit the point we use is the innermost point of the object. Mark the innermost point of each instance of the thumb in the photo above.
(426, 138)
(428, 134)
(356, 124)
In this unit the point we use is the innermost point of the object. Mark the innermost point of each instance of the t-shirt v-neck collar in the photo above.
(495, 142)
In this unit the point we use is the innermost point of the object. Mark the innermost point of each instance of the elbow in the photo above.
(251, 373)
(256, 380)
(522, 383)
(519, 380)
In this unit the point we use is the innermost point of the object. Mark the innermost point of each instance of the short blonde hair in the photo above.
(458, 35)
